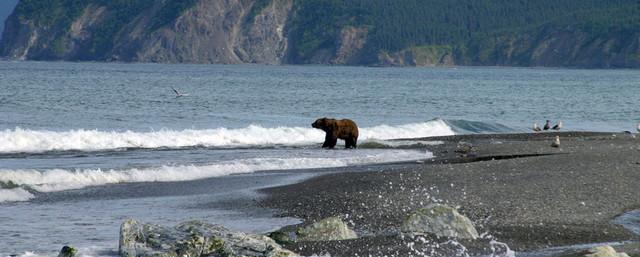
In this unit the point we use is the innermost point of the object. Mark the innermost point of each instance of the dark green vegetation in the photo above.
(569, 33)
(169, 12)
(6, 8)
(60, 14)
(257, 7)
(469, 26)
(56, 14)
(126, 11)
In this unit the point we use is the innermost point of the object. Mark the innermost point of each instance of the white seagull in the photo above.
(638, 128)
(536, 128)
(556, 143)
(178, 94)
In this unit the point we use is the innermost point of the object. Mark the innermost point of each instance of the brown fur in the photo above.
(346, 130)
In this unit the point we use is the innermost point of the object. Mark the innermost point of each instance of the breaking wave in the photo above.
(478, 127)
(52, 180)
(36, 141)
(15, 195)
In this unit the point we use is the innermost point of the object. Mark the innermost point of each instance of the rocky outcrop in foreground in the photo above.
(67, 251)
(599, 251)
(193, 239)
(441, 221)
(329, 229)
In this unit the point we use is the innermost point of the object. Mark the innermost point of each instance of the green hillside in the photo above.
(575, 33)
(400, 24)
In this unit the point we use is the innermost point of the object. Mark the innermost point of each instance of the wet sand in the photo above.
(514, 187)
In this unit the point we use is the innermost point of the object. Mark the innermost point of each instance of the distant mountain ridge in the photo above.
(6, 7)
(569, 33)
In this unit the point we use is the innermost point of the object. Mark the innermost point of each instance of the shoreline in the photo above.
(362, 195)
(514, 187)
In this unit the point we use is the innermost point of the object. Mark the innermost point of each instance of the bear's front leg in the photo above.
(327, 140)
(333, 142)
(330, 141)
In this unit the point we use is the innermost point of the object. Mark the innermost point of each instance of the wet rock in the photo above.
(283, 237)
(464, 149)
(599, 251)
(193, 239)
(329, 229)
(67, 251)
(439, 220)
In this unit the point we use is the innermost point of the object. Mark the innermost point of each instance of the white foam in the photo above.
(25, 140)
(14, 195)
(33, 254)
(408, 143)
(432, 128)
(61, 179)
(82, 252)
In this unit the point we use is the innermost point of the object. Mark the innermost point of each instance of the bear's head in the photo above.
(324, 124)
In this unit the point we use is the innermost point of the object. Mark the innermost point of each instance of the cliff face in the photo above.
(546, 47)
(565, 47)
(27, 39)
(6, 8)
(276, 32)
(210, 31)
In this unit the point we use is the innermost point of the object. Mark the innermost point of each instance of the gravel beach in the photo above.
(516, 188)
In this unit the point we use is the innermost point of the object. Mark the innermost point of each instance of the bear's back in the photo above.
(348, 127)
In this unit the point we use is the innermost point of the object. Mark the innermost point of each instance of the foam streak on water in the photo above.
(61, 179)
(24, 140)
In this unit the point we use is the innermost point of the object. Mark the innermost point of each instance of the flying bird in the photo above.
(178, 94)
(536, 128)
(547, 125)
(557, 126)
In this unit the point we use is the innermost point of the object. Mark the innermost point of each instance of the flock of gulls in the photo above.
(547, 126)
(556, 142)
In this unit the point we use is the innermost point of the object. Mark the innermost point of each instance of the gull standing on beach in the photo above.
(556, 143)
(557, 126)
(536, 128)
(547, 125)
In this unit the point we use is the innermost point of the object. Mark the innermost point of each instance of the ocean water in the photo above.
(85, 145)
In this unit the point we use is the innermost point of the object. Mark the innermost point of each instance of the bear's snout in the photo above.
(313, 125)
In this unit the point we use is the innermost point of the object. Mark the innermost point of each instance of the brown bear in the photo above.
(346, 130)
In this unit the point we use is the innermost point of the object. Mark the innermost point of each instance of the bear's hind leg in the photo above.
(349, 143)
(327, 140)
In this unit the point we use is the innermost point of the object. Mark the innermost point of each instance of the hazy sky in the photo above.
(6, 7)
